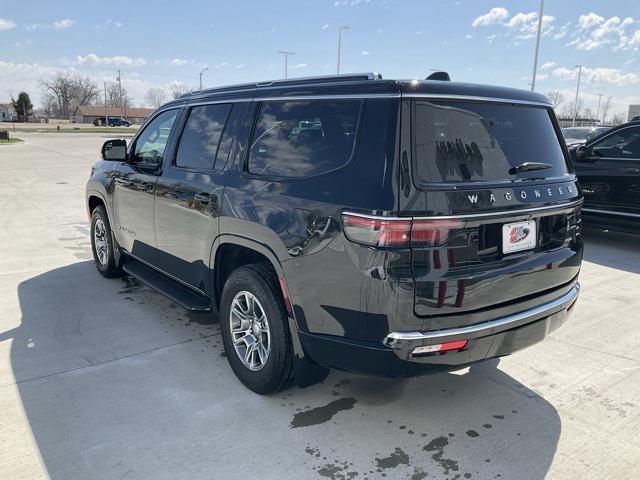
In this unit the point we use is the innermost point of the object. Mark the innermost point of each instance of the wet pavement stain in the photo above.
(418, 474)
(437, 445)
(499, 417)
(472, 433)
(342, 383)
(131, 285)
(398, 457)
(319, 415)
(201, 318)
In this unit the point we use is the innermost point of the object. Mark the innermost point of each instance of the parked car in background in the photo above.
(608, 168)
(112, 122)
(580, 135)
(376, 226)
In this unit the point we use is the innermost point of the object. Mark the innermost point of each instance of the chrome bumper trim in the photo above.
(493, 326)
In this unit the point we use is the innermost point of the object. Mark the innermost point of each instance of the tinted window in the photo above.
(201, 136)
(469, 142)
(622, 144)
(150, 145)
(299, 139)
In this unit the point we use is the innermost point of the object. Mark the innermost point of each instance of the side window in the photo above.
(201, 136)
(303, 138)
(623, 144)
(150, 145)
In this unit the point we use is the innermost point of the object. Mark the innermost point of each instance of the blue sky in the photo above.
(157, 43)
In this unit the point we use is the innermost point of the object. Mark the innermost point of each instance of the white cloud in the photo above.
(298, 65)
(94, 60)
(365, 53)
(177, 62)
(6, 24)
(63, 24)
(547, 65)
(468, 36)
(589, 20)
(614, 76)
(348, 3)
(520, 26)
(596, 32)
(494, 16)
(241, 65)
(324, 27)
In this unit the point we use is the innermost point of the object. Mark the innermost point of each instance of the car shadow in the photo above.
(612, 249)
(118, 382)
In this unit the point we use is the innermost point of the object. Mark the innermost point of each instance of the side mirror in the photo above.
(583, 154)
(115, 150)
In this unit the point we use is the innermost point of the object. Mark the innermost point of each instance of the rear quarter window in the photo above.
(466, 142)
(299, 139)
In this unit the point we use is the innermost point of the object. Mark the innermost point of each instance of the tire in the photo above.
(259, 373)
(102, 244)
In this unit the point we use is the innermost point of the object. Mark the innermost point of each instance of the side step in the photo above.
(179, 293)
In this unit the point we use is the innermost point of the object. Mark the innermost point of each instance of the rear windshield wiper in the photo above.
(529, 166)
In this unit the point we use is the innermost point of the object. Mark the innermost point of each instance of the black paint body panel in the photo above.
(346, 297)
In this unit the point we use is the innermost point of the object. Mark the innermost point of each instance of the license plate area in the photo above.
(519, 236)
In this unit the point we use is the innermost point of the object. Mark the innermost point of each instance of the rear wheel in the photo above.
(102, 244)
(255, 330)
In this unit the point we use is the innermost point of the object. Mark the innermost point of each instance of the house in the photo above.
(6, 112)
(89, 114)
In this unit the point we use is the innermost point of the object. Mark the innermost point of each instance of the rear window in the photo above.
(462, 142)
(303, 138)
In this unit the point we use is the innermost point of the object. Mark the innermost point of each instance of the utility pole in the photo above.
(598, 110)
(286, 57)
(120, 92)
(535, 57)
(575, 104)
(340, 29)
(106, 116)
(201, 73)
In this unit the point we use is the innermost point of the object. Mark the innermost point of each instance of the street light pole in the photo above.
(286, 58)
(340, 29)
(120, 92)
(535, 57)
(598, 110)
(201, 73)
(575, 103)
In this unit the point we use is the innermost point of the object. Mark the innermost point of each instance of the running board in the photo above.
(179, 293)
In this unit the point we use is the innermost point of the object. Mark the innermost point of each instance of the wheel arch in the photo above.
(242, 251)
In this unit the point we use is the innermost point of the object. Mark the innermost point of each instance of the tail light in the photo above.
(396, 232)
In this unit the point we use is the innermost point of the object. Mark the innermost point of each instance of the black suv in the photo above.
(608, 168)
(376, 226)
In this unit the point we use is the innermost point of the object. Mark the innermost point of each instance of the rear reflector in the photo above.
(440, 347)
(396, 232)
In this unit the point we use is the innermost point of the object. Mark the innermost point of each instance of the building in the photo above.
(634, 111)
(89, 114)
(6, 112)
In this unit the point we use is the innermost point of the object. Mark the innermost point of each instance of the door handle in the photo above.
(206, 198)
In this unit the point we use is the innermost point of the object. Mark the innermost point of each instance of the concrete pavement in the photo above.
(108, 379)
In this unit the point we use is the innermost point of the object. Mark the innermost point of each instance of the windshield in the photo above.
(577, 133)
(461, 142)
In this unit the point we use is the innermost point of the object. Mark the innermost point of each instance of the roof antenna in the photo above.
(442, 76)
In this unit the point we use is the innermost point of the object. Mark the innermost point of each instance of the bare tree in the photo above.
(48, 105)
(556, 98)
(618, 118)
(178, 89)
(115, 97)
(84, 92)
(61, 88)
(155, 97)
(70, 92)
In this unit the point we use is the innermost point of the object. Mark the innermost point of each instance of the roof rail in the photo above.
(346, 77)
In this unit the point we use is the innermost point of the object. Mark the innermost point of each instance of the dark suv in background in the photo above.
(112, 122)
(376, 226)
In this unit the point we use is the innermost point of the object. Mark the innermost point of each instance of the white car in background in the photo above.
(580, 135)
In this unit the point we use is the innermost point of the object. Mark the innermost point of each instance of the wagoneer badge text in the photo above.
(543, 193)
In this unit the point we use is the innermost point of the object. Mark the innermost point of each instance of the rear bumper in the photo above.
(393, 355)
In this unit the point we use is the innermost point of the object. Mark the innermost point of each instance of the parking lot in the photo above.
(108, 379)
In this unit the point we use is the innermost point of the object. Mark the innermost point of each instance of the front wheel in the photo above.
(102, 244)
(255, 330)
